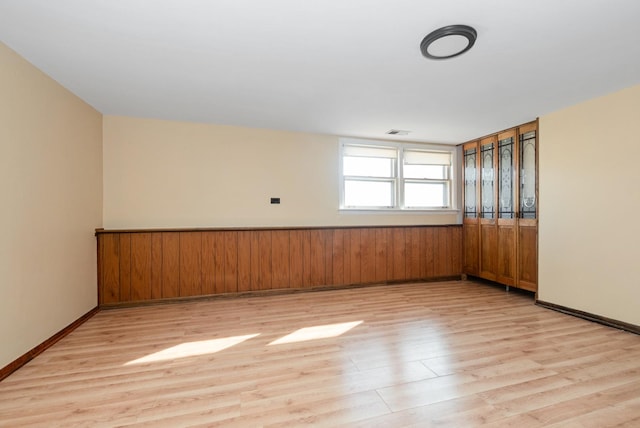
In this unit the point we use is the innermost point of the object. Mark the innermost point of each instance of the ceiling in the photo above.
(343, 67)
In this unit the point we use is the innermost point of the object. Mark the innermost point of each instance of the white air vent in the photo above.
(397, 132)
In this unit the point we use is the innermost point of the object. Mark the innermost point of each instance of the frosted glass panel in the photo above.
(528, 175)
(487, 173)
(470, 184)
(506, 171)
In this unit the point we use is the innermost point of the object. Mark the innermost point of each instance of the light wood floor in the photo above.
(455, 354)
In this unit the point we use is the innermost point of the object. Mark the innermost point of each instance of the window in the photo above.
(369, 176)
(384, 175)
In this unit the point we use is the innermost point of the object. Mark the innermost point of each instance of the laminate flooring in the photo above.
(459, 354)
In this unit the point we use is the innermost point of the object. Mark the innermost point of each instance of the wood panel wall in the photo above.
(139, 266)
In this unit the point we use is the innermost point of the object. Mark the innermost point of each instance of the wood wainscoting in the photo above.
(149, 265)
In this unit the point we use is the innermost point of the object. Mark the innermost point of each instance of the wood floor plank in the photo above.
(445, 354)
(621, 415)
(565, 410)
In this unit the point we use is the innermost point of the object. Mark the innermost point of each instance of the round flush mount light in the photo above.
(448, 42)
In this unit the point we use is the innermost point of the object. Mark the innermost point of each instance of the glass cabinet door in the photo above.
(506, 173)
(470, 183)
(487, 180)
(528, 175)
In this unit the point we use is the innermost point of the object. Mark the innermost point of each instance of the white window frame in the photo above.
(399, 179)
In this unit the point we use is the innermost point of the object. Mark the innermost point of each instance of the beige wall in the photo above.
(175, 174)
(589, 243)
(56, 152)
(51, 189)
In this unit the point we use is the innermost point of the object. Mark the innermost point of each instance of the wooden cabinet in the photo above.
(500, 229)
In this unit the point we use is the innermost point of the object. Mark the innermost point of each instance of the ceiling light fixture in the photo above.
(448, 42)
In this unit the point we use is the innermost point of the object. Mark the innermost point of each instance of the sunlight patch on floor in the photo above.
(192, 349)
(317, 332)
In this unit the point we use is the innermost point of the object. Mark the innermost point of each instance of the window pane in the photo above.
(426, 195)
(368, 167)
(433, 172)
(368, 193)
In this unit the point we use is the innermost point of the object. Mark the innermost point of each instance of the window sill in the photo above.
(397, 211)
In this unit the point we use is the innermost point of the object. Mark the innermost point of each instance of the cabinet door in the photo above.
(471, 231)
(506, 264)
(527, 277)
(488, 209)
(471, 242)
(527, 257)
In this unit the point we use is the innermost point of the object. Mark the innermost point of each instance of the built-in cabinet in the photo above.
(500, 222)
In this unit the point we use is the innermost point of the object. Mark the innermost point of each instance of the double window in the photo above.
(384, 175)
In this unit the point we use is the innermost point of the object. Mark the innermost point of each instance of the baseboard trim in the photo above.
(510, 288)
(621, 325)
(30, 355)
(271, 292)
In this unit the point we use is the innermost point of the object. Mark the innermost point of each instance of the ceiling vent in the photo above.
(397, 132)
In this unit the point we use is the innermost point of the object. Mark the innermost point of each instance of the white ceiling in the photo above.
(344, 67)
